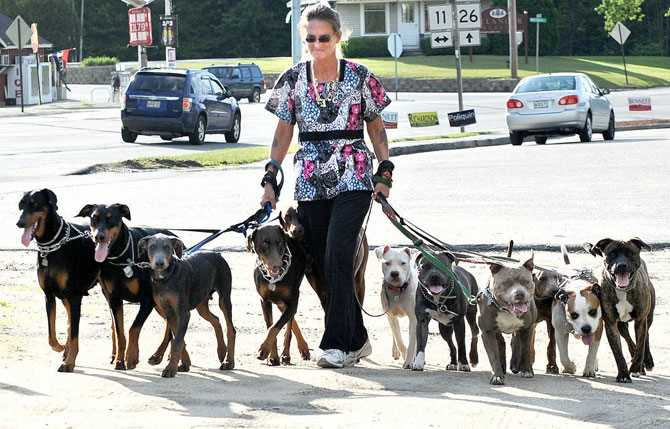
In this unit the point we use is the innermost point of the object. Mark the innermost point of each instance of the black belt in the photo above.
(331, 135)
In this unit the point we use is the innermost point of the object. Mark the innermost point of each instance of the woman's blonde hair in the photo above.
(323, 12)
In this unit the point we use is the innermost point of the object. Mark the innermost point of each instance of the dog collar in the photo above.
(400, 289)
(492, 300)
(286, 259)
(45, 249)
(439, 301)
(167, 274)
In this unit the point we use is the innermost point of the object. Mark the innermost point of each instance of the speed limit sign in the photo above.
(467, 14)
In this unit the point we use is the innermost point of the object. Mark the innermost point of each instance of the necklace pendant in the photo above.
(128, 271)
(321, 102)
(44, 262)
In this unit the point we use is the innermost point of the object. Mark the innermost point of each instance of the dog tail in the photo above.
(564, 252)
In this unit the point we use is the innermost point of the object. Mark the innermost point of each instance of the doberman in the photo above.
(65, 265)
(121, 280)
(290, 222)
(180, 285)
(278, 274)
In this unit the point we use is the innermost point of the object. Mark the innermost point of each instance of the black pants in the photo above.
(331, 235)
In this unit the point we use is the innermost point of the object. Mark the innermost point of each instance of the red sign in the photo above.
(139, 24)
(496, 20)
(639, 104)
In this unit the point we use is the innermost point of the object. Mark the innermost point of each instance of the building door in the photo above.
(408, 25)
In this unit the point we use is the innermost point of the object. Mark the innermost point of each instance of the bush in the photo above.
(100, 61)
(365, 47)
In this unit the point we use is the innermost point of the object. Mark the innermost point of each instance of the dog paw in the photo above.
(395, 353)
(497, 380)
(66, 368)
(527, 374)
(169, 372)
(263, 353)
(131, 364)
(623, 378)
(155, 360)
(552, 369)
(305, 355)
(113, 359)
(570, 368)
(228, 365)
(419, 362)
(286, 360)
(407, 365)
(589, 373)
(464, 367)
(184, 368)
(273, 361)
(451, 367)
(120, 365)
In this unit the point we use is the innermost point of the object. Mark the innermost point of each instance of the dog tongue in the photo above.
(27, 236)
(587, 339)
(101, 250)
(621, 280)
(520, 308)
(435, 289)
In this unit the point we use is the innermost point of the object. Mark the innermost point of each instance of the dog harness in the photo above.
(286, 259)
(440, 302)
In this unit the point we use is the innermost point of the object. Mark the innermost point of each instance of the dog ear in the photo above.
(142, 247)
(596, 290)
(51, 198)
(123, 210)
(590, 248)
(282, 222)
(417, 261)
(529, 264)
(178, 246)
(250, 242)
(24, 200)
(562, 295)
(86, 211)
(639, 243)
(495, 267)
(408, 251)
(381, 251)
(599, 248)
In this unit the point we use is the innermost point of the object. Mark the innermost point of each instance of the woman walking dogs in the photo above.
(330, 99)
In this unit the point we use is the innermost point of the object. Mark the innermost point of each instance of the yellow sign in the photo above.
(423, 119)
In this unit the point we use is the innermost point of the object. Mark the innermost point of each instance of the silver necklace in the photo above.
(332, 91)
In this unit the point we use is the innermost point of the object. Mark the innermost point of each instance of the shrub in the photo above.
(100, 61)
(365, 47)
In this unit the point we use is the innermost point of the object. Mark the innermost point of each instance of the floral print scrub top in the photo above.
(333, 157)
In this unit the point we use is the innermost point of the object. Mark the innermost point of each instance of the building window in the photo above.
(374, 18)
(407, 13)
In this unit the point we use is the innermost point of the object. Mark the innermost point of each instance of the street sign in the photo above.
(469, 38)
(460, 119)
(139, 24)
(18, 25)
(394, 44)
(441, 39)
(423, 119)
(639, 104)
(468, 16)
(169, 30)
(171, 57)
(538, 19)
(620, 33)
(34, 39)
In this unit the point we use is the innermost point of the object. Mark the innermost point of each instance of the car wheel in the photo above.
(233, 136)
(166, 138)
(609, 133)
(586, 133)
(516, 138)
(255, 96)
(540, 139)
(198, 135)
(128, 136)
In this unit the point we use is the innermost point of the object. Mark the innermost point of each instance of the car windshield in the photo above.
(221, 72)
(548, 83)
(159, 84)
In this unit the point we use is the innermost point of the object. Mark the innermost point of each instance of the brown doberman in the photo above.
(65, 265)
(180, 285)
(279, 272)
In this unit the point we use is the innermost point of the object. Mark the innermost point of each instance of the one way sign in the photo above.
(441, 40)
(469, 37)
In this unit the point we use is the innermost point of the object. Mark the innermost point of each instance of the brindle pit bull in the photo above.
(507, 306)
(627, 295)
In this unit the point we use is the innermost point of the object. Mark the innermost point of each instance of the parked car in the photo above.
(243, 80)
(559, 104)
(174, 103)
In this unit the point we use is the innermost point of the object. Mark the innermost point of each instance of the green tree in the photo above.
(620, 10)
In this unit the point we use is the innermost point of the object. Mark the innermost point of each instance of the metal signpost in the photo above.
(537, 19)
(620, 33)
(463, 20)
(18, 32)
(394, 45)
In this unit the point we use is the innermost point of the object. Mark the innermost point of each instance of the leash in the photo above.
(417, 236)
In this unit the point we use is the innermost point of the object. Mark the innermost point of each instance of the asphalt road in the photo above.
(564, 191)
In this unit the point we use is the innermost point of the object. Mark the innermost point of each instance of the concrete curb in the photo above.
(56, 110)
(448, 145)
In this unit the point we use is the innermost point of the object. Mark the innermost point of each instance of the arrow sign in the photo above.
(440, 40)
(469, 38)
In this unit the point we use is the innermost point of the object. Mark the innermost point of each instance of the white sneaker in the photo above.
(352, 358)
(331, 358)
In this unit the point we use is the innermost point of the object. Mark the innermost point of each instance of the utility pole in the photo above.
(514, 62)
(457, 53)
(296, 43)
(81, 32)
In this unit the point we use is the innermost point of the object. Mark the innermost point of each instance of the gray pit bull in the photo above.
(507, 306)
(627, 295)
(179, 286)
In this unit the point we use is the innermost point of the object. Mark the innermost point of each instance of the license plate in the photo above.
(543, 104)
(153, 104)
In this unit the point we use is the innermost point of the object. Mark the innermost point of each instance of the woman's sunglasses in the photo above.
(325, 38)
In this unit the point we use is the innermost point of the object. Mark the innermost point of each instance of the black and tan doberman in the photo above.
(116, 249)
(279, 272)
(65, 265)
(179, 286)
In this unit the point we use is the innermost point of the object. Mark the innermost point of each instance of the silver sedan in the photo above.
(559, 104)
